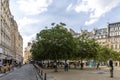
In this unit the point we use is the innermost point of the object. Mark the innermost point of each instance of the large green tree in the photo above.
(86, 48)
(104, 53)
(56, 43)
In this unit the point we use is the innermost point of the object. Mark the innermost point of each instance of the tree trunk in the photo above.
(81, 64)
(48, 64)
(55, 66)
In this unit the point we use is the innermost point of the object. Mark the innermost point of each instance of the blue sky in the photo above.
(33, 15)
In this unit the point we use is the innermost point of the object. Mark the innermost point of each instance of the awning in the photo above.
(2, 56)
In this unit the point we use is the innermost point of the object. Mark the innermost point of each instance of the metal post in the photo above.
(41, 72)
(45, 77)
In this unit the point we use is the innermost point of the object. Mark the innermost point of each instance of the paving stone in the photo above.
(90, 74)
(26, 72)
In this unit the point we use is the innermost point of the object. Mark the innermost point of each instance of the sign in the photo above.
(1, 51)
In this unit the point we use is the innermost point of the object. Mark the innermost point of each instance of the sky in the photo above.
(32, 16)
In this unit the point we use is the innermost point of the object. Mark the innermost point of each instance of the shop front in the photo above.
(6, 63)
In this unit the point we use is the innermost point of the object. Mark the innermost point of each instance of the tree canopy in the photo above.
(54, 44)
(57, 43)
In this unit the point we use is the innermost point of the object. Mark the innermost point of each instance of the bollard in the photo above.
(41, 72)
(45, 77)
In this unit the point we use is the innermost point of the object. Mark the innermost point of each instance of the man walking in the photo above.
(111, 68)
(1, 64)
(98, 64)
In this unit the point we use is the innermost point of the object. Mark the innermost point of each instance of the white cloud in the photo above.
(82, 7)
(27, 39)
(33, 7)
(69, 7)
(27, 32)
(91, 21)
(27, 21)
(96, 8)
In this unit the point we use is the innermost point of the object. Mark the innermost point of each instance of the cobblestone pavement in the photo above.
(87, 74)
(26, 72)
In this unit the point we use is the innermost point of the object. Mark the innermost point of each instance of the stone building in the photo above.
(5, 29)
(101, 35)
(114, 36)
(74, 33)
(18, 42)
(109, 36)
(11, 42)
(27, 53)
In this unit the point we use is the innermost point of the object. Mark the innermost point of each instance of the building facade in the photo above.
(27, 53)
(11, 42)
(101, 35)
(108, 36)
(5, 31)
(114, 36)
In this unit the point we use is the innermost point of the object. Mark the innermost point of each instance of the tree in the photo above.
(54, 44)
(104, 54)
(115, 55)
(86, 48)
(92, 49)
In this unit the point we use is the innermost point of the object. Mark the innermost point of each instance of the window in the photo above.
(111, 29)
(119, 26)
(103, 36)
(116, 46)
(117, 33)
(111, 46)
(99, 36)
(114, 39)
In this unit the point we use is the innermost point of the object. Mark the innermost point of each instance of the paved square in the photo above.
(86, 74)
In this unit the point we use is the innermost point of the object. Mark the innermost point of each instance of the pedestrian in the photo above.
(12, 65)
(98, 64)
(75, 65)
(1, 64)
(66, 66)
(111, 68)
(20, 64)
(82, 65)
